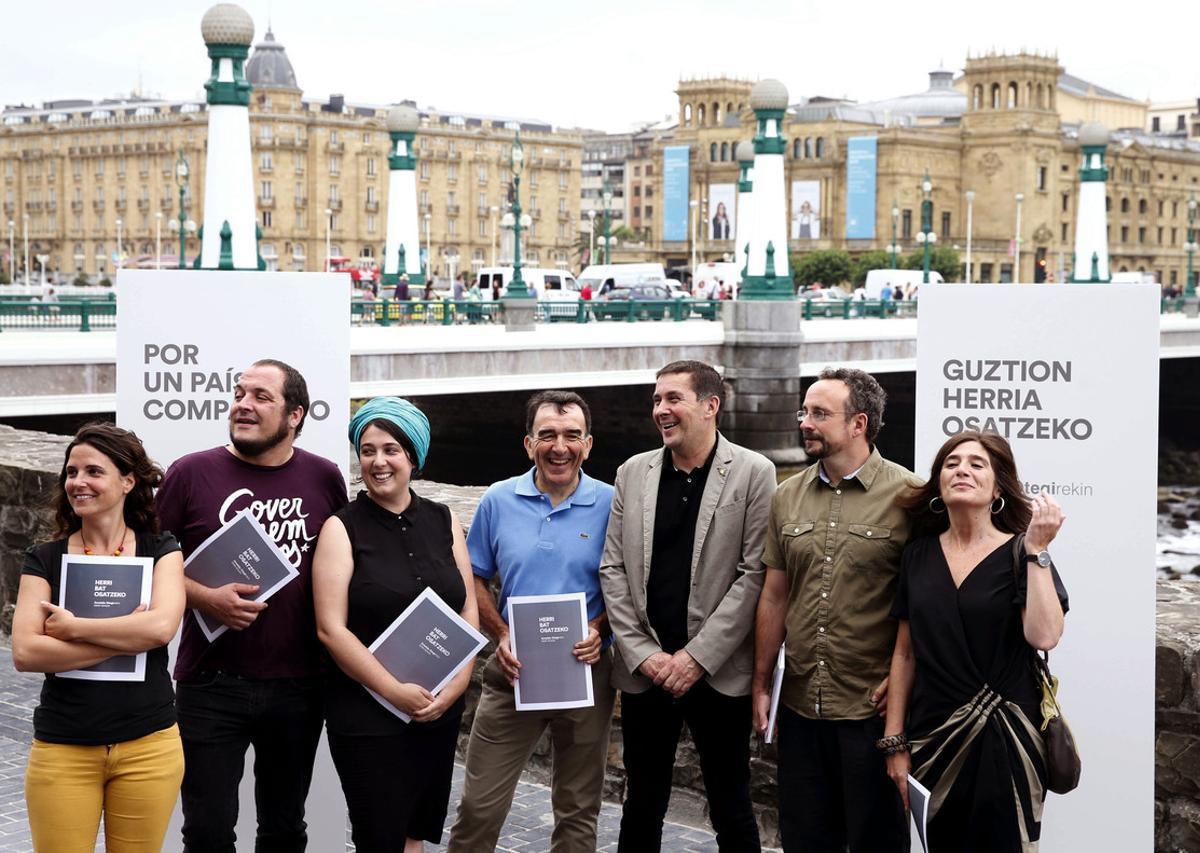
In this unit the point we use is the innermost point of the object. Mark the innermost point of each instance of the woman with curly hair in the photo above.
(963, 693)
(101, 747)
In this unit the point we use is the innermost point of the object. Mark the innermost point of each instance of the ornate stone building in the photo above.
(1007, 126)
(76, 167)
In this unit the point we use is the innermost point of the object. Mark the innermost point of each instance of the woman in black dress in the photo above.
(373, 558)
(963, 694)
(108, 748)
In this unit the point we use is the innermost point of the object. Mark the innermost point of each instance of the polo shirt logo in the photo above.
(584, 535)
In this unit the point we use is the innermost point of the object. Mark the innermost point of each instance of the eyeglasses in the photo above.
(818, 415)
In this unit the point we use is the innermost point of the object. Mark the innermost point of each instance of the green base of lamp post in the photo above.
(768, 285)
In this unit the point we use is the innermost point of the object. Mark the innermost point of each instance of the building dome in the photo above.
(227, 23)
(1093, 133)
(769, 95)
(940, 101)
(743, 152)
(269, 66)
(403, 119)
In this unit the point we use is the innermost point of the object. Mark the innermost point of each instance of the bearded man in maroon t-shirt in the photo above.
(259, 682)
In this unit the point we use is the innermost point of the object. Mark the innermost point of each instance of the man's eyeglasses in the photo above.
(818, 415)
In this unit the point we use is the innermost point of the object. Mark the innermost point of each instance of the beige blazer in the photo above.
(727, 570)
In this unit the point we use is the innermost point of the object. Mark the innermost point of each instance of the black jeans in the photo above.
(651, 723)
(219, 717)
(834, 791)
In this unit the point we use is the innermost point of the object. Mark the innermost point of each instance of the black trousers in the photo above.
(651, 724)
(219, 717)
(834, 791)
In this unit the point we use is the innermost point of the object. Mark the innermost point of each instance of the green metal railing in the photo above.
(100, 312)
(81, 315)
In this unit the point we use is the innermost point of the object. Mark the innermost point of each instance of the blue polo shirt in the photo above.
(539, 549)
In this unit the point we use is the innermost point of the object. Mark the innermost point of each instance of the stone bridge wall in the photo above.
(29, 466)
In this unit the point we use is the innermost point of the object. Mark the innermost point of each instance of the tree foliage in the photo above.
(864, 263)
(829, 267)
(941, 258)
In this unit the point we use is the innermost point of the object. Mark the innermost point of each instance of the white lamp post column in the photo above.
(1017, 242)
(970, 222)
(328, 227)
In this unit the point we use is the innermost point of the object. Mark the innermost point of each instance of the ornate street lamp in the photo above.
(926, 237)
(591, 215)
(1190, 289)
(516, 287)
(894, 248)
(183, 225)
(607, 195)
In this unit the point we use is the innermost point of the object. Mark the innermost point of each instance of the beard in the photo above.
(822, 449)
(258, 446)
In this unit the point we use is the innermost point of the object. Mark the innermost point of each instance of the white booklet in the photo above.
(101, 588)
(776, 689)
(428, 644)
(918, 804)
(543, 631)
(240, 552)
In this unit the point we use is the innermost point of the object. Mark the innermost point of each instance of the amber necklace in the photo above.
(120, 547)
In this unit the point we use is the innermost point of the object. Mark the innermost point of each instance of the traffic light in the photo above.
(1039, 267)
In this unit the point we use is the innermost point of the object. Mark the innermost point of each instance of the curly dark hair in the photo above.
(866, 396)
(125, 450)
(1015, 516)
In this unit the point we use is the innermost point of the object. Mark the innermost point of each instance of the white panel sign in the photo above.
(183, 336)
(1069, 374)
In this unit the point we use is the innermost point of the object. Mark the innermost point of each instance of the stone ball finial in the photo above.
(227, 23)
(1093, 133)
(743, 152)
(403, 119)
(769, 94)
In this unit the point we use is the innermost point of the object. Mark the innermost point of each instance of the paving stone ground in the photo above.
(527, 830)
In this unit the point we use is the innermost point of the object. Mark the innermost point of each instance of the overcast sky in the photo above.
(606, 65)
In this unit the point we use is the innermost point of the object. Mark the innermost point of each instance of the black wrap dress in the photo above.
(974, 711)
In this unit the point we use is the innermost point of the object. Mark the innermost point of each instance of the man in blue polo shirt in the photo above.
(543, 532)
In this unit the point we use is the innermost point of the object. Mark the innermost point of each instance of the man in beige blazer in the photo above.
(681, 574)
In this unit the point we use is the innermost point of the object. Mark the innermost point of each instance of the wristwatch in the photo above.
(1042, 558)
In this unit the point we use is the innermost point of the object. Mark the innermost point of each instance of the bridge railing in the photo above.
(100, 312)
(82, 315)
(446, 312)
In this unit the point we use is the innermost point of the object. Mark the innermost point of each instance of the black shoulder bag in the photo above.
(1062, 755)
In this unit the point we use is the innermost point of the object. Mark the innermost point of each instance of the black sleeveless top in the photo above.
(95, 713)
(395, 558)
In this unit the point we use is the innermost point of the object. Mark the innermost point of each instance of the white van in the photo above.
(549, 284)
(604, 277)
(904, 279)
(706, 274)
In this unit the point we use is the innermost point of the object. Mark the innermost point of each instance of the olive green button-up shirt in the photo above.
(840, 546)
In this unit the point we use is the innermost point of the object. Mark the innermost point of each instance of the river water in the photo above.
(1179, 532)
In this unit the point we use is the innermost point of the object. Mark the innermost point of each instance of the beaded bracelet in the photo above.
(892, 744)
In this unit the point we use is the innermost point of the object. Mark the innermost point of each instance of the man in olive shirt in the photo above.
(833, 559)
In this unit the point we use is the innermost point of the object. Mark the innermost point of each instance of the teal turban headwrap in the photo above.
(409, 418)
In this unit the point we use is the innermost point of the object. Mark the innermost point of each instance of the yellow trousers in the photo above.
(133, 784)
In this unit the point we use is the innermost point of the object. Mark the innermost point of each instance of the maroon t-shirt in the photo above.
(204, 491)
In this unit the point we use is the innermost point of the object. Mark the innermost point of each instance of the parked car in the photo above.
(828, 301)
(614, 304)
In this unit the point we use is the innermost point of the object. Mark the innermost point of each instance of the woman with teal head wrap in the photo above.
(373, 559)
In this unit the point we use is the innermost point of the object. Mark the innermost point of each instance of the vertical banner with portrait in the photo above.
(861, 162)
(722, 211)
(806, 210)
(1069, 375)
(183, 337)
(675, 193)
